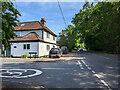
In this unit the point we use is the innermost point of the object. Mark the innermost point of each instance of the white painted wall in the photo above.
(23, 33)
(39, 47)
(50, 39)
(17, 52)
(39, 32)
(43, 48)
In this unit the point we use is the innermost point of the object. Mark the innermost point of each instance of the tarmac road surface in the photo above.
(94, 71)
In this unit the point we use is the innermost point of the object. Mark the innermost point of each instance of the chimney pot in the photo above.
(43, 21)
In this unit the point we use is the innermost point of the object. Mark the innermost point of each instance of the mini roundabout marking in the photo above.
(19, 73)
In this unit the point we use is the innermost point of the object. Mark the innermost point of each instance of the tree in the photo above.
(98, 26)
(68, 38)
(9, 19)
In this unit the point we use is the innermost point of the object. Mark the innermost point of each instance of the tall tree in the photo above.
(68, 38)
(98, 26)
(9, 19)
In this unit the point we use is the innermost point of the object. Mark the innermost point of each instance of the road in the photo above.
(94, 71)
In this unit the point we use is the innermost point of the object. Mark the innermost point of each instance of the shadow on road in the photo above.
(7, 85)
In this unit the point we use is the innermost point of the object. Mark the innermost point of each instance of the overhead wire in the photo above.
(62, 13)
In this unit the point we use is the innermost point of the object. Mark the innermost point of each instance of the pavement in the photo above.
(66, 57)
(76, 70)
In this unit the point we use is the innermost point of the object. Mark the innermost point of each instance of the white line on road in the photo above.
(96, 75)
(18, 73)
(86, 65)
(53, 68)
(80, 65)
(93, 71)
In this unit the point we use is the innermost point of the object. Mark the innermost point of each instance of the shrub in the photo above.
(41, 56)
(24, 56)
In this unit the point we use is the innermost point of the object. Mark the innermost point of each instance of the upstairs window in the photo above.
(42, 34)
(48, 35)
(53, 37)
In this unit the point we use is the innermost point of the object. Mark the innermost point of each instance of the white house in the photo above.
(32, 37)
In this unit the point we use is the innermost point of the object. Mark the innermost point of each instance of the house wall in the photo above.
(17, 52)
(39, 32)
(50, 39)
(43, 48)
(39, 47)
(23, 33)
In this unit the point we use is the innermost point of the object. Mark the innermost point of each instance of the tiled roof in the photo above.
(34, 25)
(29, 37)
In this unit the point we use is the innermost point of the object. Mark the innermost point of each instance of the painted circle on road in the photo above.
(19, 73)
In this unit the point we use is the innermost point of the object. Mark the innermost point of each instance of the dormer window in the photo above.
(22, 24)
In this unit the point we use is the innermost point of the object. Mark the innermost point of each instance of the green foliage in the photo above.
(41, 56)
(98, 26)
(24, 56)
(9, 19)
(69, 38)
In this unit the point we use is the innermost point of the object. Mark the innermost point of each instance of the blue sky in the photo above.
(34, 11)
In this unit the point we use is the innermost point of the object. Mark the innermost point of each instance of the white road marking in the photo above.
(80, 65)
(106, 58)
(53, 68)
(93, 71)
(19, 73)
(86, 65)
(96, 75)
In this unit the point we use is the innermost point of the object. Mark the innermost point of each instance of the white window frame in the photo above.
(26, 47)
(48, 47)
(48, 35)
(54, 38)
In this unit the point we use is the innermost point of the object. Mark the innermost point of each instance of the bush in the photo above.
(41, 56)
(24, 56)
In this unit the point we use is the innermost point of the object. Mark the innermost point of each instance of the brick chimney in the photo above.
(43, 21)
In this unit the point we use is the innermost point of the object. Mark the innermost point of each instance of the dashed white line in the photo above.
(93, 71)
(105, 84)
(80, 65)
(96, 75)
(86, 65)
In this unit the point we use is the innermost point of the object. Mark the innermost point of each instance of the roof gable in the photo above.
(34, 25)
(29, 37)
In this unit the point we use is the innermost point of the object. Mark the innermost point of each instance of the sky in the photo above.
(34, 11)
